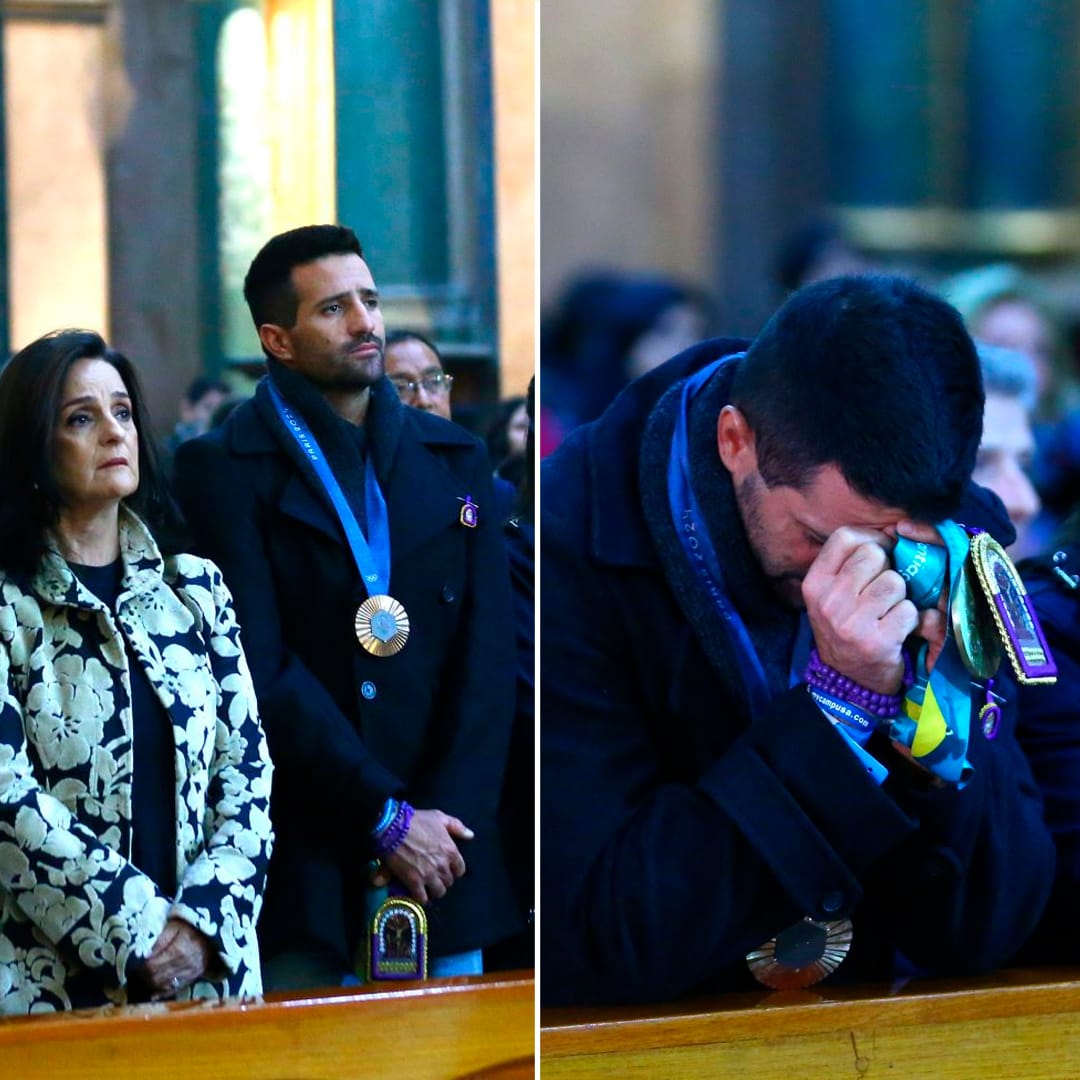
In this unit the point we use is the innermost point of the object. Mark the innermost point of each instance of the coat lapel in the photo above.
(252, 431)
(423, 494)
(299, 501)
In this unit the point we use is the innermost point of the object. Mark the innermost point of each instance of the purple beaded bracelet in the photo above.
(394, 833)
(827, 678)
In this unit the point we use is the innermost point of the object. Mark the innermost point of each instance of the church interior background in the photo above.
(151, 146)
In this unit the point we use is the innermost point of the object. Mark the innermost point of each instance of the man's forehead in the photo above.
(829, 502)
(344, 272)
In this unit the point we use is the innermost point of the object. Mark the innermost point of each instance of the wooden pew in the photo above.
(479, 1026)
(1012, 1025)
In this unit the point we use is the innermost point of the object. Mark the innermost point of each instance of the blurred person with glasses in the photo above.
(414, 365)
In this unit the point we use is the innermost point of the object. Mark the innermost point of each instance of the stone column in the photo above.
(153, 222)
(769, 144)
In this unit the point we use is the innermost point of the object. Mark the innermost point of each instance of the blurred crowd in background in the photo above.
(698, 171)
(609, 327)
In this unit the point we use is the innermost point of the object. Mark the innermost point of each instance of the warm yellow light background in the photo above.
(513, 27)
(57, 240)
(629, 132)
(301, 53)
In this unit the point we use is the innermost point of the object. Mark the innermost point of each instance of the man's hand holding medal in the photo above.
(881, 605)
(947, 594)
(858, 609)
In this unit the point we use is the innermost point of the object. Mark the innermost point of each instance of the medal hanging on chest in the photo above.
(802, 955)
(381, 623)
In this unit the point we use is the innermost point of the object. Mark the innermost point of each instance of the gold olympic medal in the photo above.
(973, 626)
(801, 955)
(382, 625)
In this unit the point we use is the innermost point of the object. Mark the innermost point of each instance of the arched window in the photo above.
(243, 168)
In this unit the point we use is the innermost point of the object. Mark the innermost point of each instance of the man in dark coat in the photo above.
(1049, 732)
(697, 803)
(389, 729)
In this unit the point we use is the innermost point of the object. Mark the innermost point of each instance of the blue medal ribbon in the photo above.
(694, 537)
(697, 545)
(372, 556)
(936, 721)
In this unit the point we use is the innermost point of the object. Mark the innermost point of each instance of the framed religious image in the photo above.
(1021, 634)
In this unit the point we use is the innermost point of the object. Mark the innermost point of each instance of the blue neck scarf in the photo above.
(372, 553)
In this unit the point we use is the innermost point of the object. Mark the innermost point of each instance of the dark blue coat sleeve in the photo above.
(1050, 724)
(1049, 730)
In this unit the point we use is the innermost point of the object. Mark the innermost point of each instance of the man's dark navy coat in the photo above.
(347, 729)
(675, 835)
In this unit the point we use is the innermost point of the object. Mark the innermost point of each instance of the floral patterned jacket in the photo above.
(74, 911)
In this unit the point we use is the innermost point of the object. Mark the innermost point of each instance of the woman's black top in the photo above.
(153, 797)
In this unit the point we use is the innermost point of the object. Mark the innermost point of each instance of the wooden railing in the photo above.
(1012, 1026)
(482, 1026)
(1021, 1024)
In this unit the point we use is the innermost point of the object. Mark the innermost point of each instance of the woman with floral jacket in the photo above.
(134, 777)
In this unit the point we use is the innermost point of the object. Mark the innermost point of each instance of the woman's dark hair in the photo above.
(497, 436)
(31, 384)
(527, 487)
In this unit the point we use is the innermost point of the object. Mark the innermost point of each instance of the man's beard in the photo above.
(357, 374)
(785, 583)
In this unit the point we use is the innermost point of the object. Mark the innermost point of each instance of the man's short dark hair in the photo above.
(876, 375)
(268, 287)
(396, 337)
